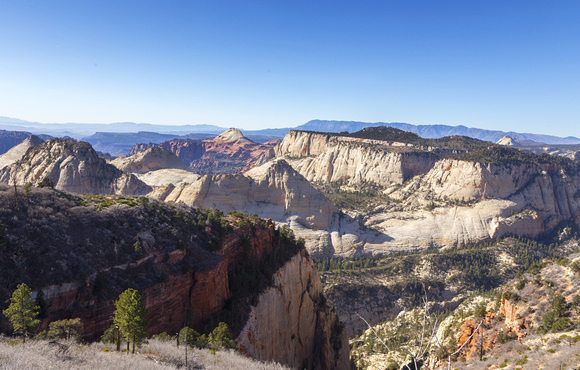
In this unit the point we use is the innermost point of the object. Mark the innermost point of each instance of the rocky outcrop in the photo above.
(441, 203)
(232, 134)
(17, 152)
(331, 158)
(154, 158)
(186, 150)
(465, 202)
(229, 152)
(513, 320)
(512, 141)
(275, 191)
(9, 139)
(291, 324)
(156, 166)
(73, 167)
(468, 181)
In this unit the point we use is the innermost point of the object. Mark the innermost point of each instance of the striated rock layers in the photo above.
(463, 202)
(229, 152)
(330, 158)
(154, 158)
(282, 328)
(441, 203)
(73, 167)
(17, 152)
(275, 191)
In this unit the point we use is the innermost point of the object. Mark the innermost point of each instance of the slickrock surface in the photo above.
(74, 167)
(328, 158)
(278, 192)
(154, 158)
(17, 152)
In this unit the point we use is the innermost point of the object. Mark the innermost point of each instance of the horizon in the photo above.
(257, 65)
(225, 127)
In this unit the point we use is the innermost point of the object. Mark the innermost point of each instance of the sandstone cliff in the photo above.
(154, 158)
(192, 267)
(430, 202)
(463, 202)
(282, 327)
(17, 152)
(73, 167)
(275, 191)
(329, 158)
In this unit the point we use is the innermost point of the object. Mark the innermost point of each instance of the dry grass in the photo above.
(154, 355)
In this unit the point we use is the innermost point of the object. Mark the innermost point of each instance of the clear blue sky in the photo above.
(509, 65)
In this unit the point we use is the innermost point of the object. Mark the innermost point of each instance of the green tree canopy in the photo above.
(66, 329)
(221, 337)
(188, 336)
(131, 317)
(22, 311)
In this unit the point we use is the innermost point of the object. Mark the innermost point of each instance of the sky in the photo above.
(504, 65)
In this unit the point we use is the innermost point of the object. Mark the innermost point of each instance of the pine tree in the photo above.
(221, 337)
(131, 317)
(22, 312)
(66, 329)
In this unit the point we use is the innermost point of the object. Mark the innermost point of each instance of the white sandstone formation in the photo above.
(154, 158)
(330, 158)
(156, 166)
(231, 134)
(73, 167)
(278, 192)
(17, 152)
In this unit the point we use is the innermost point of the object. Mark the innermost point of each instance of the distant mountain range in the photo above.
(436, 131)
(90, 131)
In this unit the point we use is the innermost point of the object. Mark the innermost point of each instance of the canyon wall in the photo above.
(461, 202)
(72, 167)
(329, 158)
(191, 267)
(183, 299)
(292, 325)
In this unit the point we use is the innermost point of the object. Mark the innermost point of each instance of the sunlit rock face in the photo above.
(291, 325)
(73, 167)
(154, 158)
(17, 152)
(329, 158)
(436, 202)
(273, 191)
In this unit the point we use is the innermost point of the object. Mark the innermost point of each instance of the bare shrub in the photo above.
(40, 354)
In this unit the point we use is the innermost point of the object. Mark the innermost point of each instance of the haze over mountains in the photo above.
(117, 138)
